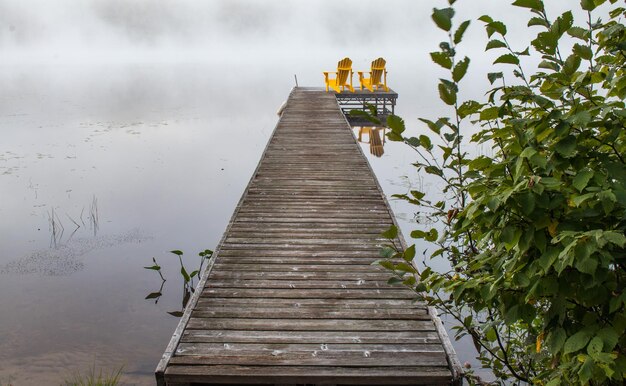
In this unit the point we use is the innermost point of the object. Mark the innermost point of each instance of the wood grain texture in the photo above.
(292, 295)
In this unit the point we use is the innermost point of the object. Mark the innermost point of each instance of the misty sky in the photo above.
(69, 27)
(284, 37)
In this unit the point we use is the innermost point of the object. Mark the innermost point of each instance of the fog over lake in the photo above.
(131, 128)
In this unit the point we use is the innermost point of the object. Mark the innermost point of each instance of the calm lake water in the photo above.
(102, 169)
(109, 159)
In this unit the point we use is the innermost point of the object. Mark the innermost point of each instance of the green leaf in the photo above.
(567, 146)
(587, 265)
(578, 33)
(608, 199)
(496, 26)
(528, 152)
(492, 76)
(417, 194)
(527, 201)
(556, 340)
(390, 233)
(615, 238)
(393, 136)
(587, 5)
(154, 267)
(538, 21)
(562, 24)
(489, 113)
(510, 235)
(404, 267)
(571, 64)
(396, 124)
(177, 252)
(417, 234)
(548, 258)
(480, 163)
(425, 142)
(536, 5)
(442, 59)
(468, 108)
(446, 94)
(458, 35)
(576, 342)
(549, 65)
(434, 126)
(386, 252)
(485, 18)
(394, 281)
(595, 346)
(609, 338)
(582, 178)
(546, 42)
(183, 272)
(460, 69)
(585, 373)
(582, 198)
(154, 295)
(432, 235)
(507, 59)
(433, 170)
(583, 51)
(495, 43)
(409, 253)
(443, 18)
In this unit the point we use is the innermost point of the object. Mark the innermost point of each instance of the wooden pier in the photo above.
(290, 296)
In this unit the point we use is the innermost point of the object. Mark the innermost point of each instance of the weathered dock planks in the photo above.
(291, 296)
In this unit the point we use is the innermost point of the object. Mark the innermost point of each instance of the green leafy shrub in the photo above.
(535, 232)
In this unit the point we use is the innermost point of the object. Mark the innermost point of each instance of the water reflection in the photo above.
(57, 230)
(187, 278)
(376, 138)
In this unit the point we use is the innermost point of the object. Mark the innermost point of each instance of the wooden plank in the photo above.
(312, 337)
(309, 325)
(301, 268)
(371, 375)
(343, 293)
(211, 302)
(318, 357)
(302, 284)
(201, 348)
(312, 313)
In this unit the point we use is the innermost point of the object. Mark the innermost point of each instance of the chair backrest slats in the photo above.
(343, 70)
(378, 67)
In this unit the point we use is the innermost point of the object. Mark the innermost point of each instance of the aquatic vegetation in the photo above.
(95, 379)
(188, 279)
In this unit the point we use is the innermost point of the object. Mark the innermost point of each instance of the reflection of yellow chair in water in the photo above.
(376, 142)
(344, 70)
(378, 76)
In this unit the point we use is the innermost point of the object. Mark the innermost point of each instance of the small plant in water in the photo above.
(95, 379)
(188, 279)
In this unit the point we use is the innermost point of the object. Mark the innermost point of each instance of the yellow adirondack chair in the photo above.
(344, 71)
(377, 76)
